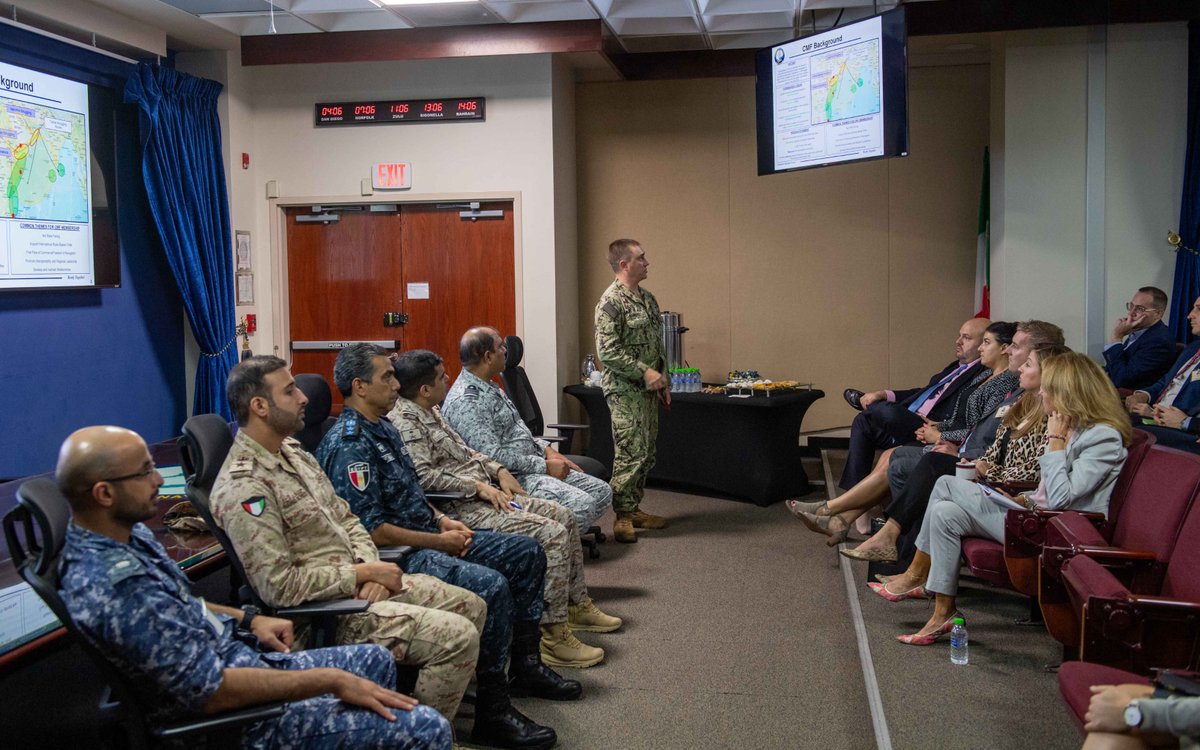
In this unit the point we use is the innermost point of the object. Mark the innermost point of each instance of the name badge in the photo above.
(1003, 410)
(1196, 375)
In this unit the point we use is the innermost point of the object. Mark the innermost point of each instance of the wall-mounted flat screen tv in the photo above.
(835, 97)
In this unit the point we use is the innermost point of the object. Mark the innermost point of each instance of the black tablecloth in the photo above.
(747, 448)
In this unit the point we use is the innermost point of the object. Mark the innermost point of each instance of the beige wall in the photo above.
(812, 275)
(511, 152)
(1040, 134)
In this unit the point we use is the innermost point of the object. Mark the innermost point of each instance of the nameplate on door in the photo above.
(309, 346)
(391, 176)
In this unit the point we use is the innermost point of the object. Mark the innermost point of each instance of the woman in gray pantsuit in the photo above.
(1085, 448)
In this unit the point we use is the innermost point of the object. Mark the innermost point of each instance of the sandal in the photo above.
(819, 508)
(820, 524)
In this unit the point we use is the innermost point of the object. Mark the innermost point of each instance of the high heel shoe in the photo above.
(880, 554)
(820, 524)
(916, 592)
(928, 640)
(796, 508)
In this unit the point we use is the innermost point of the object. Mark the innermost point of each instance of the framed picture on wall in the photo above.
(241, 247)
(245, 288)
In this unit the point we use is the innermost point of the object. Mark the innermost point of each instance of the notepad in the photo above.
(1002, 500)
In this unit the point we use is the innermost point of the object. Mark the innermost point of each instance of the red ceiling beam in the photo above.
(423, 44)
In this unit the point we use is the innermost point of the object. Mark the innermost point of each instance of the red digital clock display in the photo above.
(398, 112)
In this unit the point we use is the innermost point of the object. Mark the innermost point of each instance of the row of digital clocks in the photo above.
(399, 112)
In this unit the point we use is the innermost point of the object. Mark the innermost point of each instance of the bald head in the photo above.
(970, 336)
(91, 454)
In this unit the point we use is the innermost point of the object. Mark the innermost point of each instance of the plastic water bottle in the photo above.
(589, 366)
(958, 642)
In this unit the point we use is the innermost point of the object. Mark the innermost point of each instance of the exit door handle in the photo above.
(394, 319)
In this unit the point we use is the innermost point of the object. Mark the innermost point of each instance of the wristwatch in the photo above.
(1133, 715)
(250, 611)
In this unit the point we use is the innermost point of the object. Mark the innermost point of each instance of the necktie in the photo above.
(1176, 383)
(919, 400)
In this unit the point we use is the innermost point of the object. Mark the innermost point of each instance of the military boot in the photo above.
(644, 520)
(623, 528)
(586, 617)
(527, 673)
(560, 647)
(499, 724)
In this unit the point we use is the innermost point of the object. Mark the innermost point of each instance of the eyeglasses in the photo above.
(137, 475)
(1138, 308)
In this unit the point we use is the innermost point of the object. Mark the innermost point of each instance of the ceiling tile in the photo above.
(258, 24)
(651, 9)
(458, 14)
(750, 22)
(654, 26)
(201, 7)
(357, 21)
(534, 12)
(301, 7)
(719, 7)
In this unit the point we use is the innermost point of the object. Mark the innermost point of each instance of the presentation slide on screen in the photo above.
(829, 97)
(45, 186)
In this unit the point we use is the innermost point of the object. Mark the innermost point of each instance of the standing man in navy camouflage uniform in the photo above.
(489, 422)
(629, 343)
(183, 654)
(369, 466)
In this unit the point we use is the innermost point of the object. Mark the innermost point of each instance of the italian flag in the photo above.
(983, 249)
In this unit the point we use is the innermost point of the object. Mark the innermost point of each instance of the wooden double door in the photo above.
(407, 276)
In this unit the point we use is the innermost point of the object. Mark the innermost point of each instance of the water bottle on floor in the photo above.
(958, 641)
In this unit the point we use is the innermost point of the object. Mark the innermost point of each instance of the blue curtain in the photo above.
(1187, 264)
(185, 185)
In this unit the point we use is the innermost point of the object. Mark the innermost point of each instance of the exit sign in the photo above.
(392, 176)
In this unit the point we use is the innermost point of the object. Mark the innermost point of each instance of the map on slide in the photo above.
(846, 83)
(43, 162)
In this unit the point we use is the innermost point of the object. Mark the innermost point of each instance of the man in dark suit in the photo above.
(1173, 403)
(891, 418)
(1142, 346)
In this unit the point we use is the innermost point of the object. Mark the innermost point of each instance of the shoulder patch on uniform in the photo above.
(351, 427)
(121, 566)
(610, 309)
(359, 474)
(255, 505)
(242, 467)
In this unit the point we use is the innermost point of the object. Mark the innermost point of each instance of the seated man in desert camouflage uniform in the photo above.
(496, 501)
(299, 542)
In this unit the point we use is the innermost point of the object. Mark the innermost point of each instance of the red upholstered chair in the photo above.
(1075, 679)
(1144, 630)
(1135, 545)
(1025, 530)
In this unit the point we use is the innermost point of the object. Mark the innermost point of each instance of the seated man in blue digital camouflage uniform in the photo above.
(185, 655)
(368, 464)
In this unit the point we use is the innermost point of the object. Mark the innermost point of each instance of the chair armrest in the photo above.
(1026, 531)
(394, 553)
(446, 496)
(1115, 554)
(333, 608)
(565, 426)
(560, 439)
(229, 720)
(1014, 488)
(1141, 632)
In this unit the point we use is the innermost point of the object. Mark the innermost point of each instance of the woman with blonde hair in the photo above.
(1086, 437)
(1012, 457)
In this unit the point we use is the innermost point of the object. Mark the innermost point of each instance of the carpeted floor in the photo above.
(738, 635)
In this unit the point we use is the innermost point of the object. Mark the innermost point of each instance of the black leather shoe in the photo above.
(512, 729)
(852, 397)
(533, 678)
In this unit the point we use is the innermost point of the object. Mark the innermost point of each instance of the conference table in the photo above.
(26, 625)
(747, 449)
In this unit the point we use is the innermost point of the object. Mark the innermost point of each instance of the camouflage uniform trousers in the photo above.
(428, 625)
(586, 496)
(555, 529)
(635, 429)
(506, 571)
(326, 722)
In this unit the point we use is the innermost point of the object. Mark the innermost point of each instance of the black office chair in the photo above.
(202, 449)
(317, 419)
(520, 391)
(36, 530)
